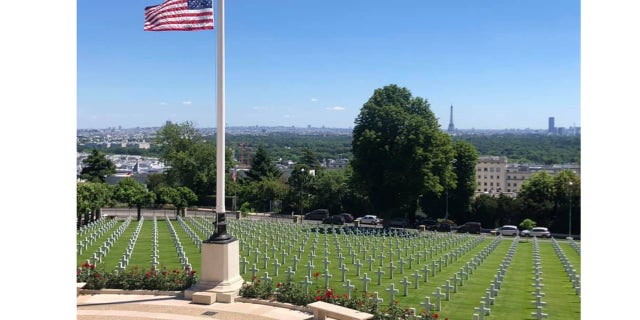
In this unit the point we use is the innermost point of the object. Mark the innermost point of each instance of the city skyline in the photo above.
(300, 63)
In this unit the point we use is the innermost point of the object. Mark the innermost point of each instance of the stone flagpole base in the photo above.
(220, 279)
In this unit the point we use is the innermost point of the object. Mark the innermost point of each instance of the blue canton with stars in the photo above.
(199, 4)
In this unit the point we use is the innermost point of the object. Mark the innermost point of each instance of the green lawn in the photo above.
(512, 302)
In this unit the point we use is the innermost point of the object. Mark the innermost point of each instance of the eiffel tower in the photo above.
(451, 128)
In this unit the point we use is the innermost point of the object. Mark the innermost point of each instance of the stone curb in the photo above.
(275, 304)
(140, 292)
(181, 293)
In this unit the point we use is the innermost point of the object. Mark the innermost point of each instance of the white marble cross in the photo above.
(392, 291)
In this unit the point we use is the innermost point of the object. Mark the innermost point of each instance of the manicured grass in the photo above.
(513, 300)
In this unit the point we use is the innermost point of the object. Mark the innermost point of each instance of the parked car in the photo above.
(470, 227)
(347, 217)
(335, 219)
(537, 232)
(317, 214)
(397, 222)
(508, 230)
(369, 219)
(429, 224)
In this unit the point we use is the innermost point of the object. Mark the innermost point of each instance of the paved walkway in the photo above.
(145, 307)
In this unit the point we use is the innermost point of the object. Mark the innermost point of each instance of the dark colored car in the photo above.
(428, 223)
(398, 222)
(347, 217)
(317, 214)
(335, 219)
(470, 227)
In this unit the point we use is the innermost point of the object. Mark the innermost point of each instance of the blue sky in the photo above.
(500, 63)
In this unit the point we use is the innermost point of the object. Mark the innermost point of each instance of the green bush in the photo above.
(136, 279)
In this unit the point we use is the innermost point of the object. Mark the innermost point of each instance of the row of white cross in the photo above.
(537, 273)
(94, 233)
(575, 245)
(574, 277)
(104, 248)
(192, 234)
(248, 241)
(154, 244)
(458, 278)
(91, 226)
(184, 260)
(124, 261)
(202, 225)
(495, 285)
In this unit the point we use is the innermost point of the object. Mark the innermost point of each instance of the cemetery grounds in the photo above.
(456, 275)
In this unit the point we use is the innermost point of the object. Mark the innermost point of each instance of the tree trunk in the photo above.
(98, 213)
(139, 212)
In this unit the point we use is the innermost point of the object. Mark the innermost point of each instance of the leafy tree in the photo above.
(262, 167)
(180, 197)
(464, 169)
(538, 197)
(300, 186)
(186, 198)
(399, 152)
(527, 224)
(155, 181)
(260, 193)
(134, 194)
(191, 158)
(310, 159)
(329, 189)
(90, 198)
(484, 210)
(96, 167)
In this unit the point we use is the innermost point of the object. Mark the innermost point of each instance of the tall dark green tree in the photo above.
(399, 152)
(96, 167)
(461, 196)
(310, 159)
(262, 167)
(300, 189)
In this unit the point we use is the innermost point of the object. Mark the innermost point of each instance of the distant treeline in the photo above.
(539, 149)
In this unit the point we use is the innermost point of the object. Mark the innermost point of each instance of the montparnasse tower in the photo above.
(451, 128)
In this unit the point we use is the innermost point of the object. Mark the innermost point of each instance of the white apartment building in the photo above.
(490, 175)
(495, 176)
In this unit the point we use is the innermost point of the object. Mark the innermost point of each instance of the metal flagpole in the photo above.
(220, 235)
(220, 143)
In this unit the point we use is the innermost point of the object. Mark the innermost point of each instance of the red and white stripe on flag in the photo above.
(179, 15)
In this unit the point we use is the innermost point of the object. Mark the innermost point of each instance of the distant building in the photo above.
(144, 145)
(495, 176)
(490, 172)
(552, 125)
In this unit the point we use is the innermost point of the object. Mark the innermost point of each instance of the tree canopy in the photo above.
(96, 167)
(134, 194)
(399, 152)
(262, 166)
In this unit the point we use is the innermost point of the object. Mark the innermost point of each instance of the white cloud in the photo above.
(163, 103)
(259, 108)
(188, 102)
(336, 108)
(314, 99)
(287, 116)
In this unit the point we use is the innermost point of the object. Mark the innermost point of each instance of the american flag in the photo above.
(179, 15)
